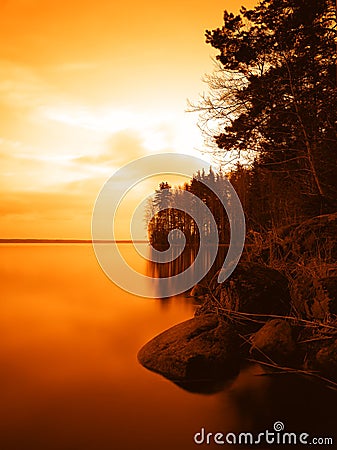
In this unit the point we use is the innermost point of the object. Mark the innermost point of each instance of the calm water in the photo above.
(70, 379)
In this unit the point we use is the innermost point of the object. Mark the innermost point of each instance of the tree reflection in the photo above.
(179, 263)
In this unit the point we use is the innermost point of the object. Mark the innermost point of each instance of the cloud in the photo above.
(39, 214)
(43, 204)
(73, 67)
(119, 149)
(22, 87)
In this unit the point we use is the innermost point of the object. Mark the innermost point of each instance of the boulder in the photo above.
(200, 349)
(275, 341)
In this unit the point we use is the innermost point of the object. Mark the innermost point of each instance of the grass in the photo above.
(310, 315)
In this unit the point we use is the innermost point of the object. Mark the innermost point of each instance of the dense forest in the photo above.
(167, 216)
(269, 118)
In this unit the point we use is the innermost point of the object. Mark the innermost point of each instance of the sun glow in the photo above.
(83, 94)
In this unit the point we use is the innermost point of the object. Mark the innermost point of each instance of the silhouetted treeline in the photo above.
(167, 216)
(269, 200)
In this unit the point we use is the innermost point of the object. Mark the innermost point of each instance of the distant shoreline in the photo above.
(70, 241)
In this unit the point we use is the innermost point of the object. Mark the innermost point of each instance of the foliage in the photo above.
(274, 98)
(171, 218)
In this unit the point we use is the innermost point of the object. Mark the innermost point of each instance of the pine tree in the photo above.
(274, 95)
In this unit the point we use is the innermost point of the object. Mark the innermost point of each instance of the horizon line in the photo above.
(70, 241)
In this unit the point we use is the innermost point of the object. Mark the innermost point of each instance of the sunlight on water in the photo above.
(69, 374)
(69, 340)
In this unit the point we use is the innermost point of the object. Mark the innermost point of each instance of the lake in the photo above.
(70, 379)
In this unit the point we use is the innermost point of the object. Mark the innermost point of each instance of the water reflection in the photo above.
(181, 262)
(255, 399)
(258, 399)
(70, 378)
(207, 386)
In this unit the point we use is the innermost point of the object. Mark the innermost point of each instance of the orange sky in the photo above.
(86, 87)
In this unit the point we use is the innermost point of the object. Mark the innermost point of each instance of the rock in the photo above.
(315, 237)
(202, 348)
(254, 289)
(326, 360)
(275, 341)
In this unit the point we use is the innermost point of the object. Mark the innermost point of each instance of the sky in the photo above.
(86, 87)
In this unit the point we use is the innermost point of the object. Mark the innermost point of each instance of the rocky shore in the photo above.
(278, 309)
